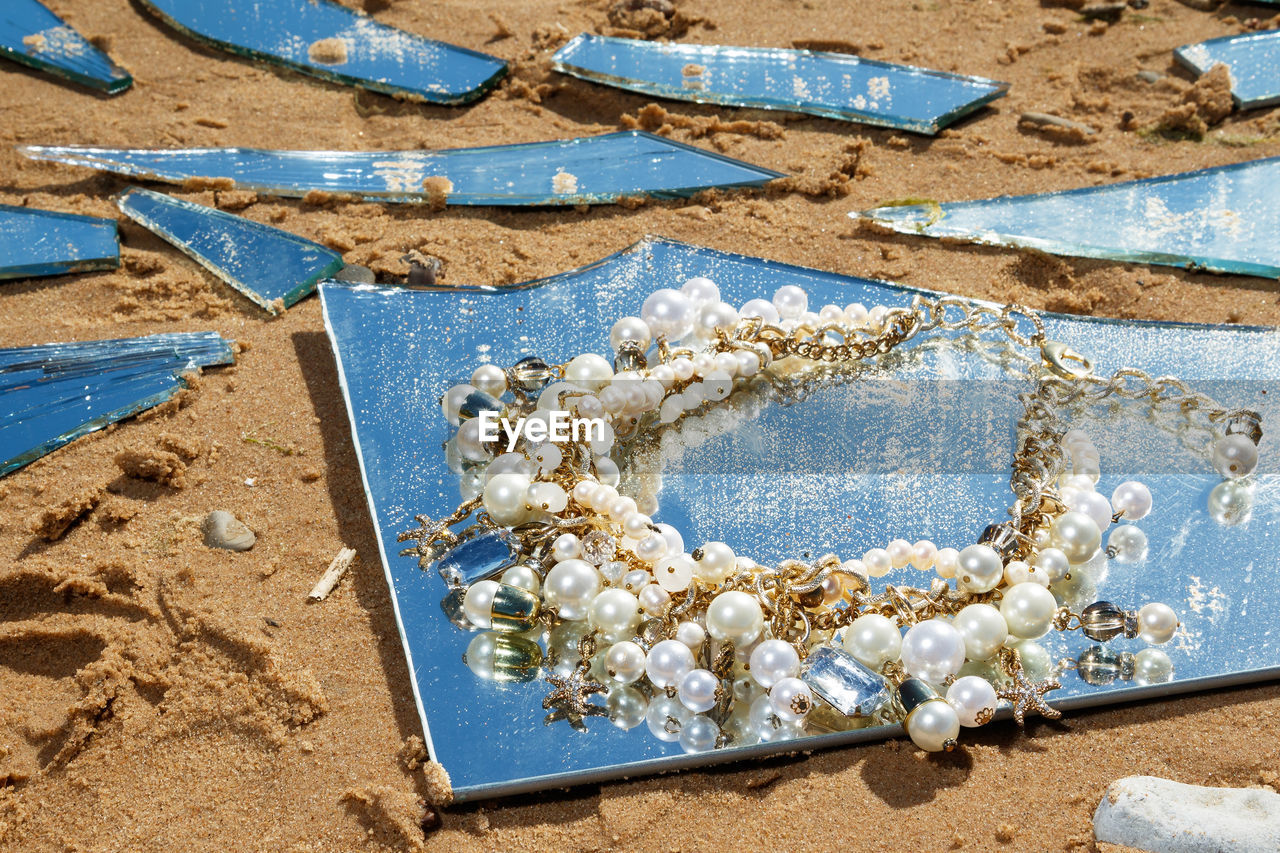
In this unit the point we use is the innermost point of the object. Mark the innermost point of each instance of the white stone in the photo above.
(1160, 816)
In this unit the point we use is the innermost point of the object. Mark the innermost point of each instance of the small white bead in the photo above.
(1157, 623)
(735, 616)
(790, 301)
(1093, 505)
(653, 599)
(490, 379)
(1028, 609)
(570, 587)
(523, 577)
(979, 569)
(615, 612)
(1016, 571)
(933, 725)
(717, 316)
(698, 690)
(856, 314)
(923, 555)
(699, 734)
(1132, 500)
(469, 443)
(718, 560)
(748, 362)
(477, 604)
(727, 363)
(773, 660)
(658, 718)
(668, 313)
(974, 700)
(761, 308)
(566, 547)
(636, 526)
(630, 330)
(668, 662)
(452, 400)
(1235, 456)
(624, 662)
(899, 553)
(1053, 562)
(1076, 535)
(983, 629)
(791, 699)
(635, 580)
(691, 634)
(1152, 666)
(675, 572)
(878, 562)
(701, 290)
(675, 542)
(682, 368)
(504, 499)
(946, 563)
(547, 497)
(1127, 544)
(873, 639)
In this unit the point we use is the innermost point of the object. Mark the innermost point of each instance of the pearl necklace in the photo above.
(691, 639)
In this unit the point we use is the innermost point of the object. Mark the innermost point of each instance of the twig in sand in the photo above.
(331, 575)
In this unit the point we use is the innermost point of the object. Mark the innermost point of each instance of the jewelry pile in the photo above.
(704, 642)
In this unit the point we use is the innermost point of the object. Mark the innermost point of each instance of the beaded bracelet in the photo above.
(721, 642)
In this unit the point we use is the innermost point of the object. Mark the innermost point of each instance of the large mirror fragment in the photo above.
(44, 242)
(1253, 61)
(54, 393)
(1223, 219)
(588, 170)
(797, 464)
(34, 36)
(833, 85)
(326, 40)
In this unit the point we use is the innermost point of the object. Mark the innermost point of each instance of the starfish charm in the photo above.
(432, 538)
(1028, 696)
(569, 699)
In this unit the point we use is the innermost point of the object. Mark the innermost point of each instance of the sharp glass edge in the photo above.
(440, 94)
(298, 287)
(706, 56)
(94, 246)
(931, 220)
(399, 174)
(32, 35)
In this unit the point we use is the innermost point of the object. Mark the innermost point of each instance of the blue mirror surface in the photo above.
(1223, 219)
(44, 242)
(587, 170)
(833, 85)
(52, 394)
(272, 267)
(1254, 62)
(329, 41)
(34, 36)
(807, 464)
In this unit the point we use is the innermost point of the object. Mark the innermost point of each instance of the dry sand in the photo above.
(158, 695)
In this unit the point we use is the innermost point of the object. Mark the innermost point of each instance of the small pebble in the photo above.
(1150, 76)
(1044, 119)
(355, 273)
(1110, 12)
(223, 530)
(1161, 816)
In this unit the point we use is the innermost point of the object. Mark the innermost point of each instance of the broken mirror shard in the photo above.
(819, 465)
(1223, 219)
(45, 242)
(587, 170)
(1253, 60)
(54, 393)
(329, 41)
(34, 36)
(271, 267)
(833, 85)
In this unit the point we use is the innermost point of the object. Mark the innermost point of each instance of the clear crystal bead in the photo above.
(598, 548)
(613, 571)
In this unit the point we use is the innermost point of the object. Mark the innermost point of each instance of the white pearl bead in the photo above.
(490, 379)
(453, 399)
(856, 314)
(668, 313)
(717, 316)
(1157, 623)
(668, 662)
(675, 572)
(699, 734)
(748, 362)
(933, 725)
(691, 634)
(698, 690)
(1231, 503)
(630, 330)
(718, 560)
(1036, 660)
(1235, 456)
(627, 706)
(1028, 609)
(615, 612)
(589, 371)
(983, 629)
(900, 553)
(701, 289)
(946, 563)
(735, 616)
(682, 367)
(602, 496)
(662, 711)
(675, 542)
(653, 599)
(1016, 571)
(1127, 544)
(873, 639)
(773, 660)
(761, 717)
(974, 700)
(790, 301)
(1053, 562)
(469, 443)
(791, 699)
(547, 497)
(651, 548)
(620, 508)
(878, 562)
(624, 662)
(566, 547)
(1132, 500)
(570, 587)
(933, 650)
(477, 604)
(727, 363)
(761, 308)
(1076, 535)
(1093, 505)
(1152, 666)
(523, 577)
(636, 526)
(979, 569)
(923, 555)
(504, 499)
(636, 580)
(703, 363)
